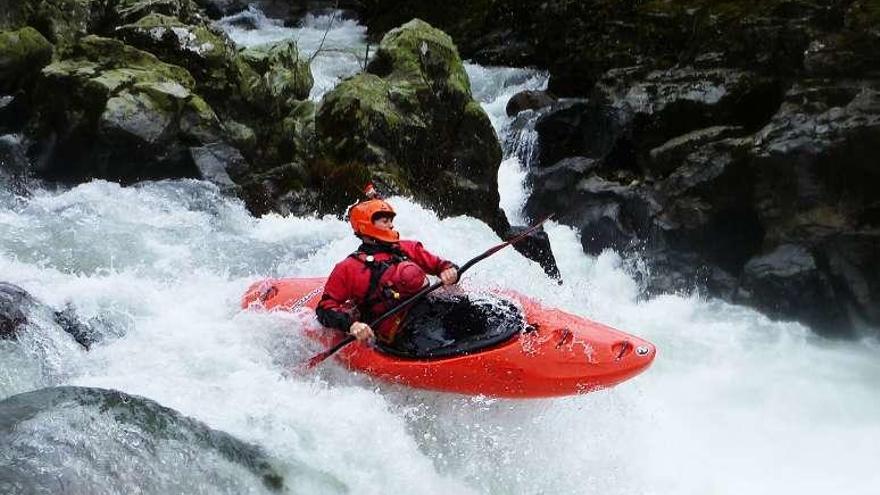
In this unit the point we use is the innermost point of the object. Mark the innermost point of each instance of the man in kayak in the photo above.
(383, 272)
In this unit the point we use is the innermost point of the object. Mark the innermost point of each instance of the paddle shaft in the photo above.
(320, 357)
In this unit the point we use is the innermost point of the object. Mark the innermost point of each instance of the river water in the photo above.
(734, 402)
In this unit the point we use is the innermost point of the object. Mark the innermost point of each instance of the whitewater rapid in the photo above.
(734, 402)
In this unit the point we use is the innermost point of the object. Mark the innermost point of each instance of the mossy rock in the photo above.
(285, 73)
(421, 55)
(22, 54)
(62, 22)
(208, 55)
(195, 46)
(123, 114)
(411, 119)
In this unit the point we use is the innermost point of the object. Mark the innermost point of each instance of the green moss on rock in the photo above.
(417, 52)
(22, 54)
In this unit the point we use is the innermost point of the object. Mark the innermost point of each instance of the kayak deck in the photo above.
(555, 354)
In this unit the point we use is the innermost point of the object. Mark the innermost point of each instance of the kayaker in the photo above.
(381, 273)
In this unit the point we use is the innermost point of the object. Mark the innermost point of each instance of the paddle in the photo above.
(319, 358)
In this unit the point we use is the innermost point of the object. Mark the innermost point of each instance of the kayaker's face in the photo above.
(384, 223)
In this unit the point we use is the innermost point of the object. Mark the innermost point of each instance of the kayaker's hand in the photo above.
(361, 331)
(449, 276)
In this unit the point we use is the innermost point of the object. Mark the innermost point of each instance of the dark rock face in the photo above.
(716, 205)
(580, 41)
(788, 282)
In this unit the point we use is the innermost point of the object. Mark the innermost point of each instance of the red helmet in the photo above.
(405, 277)
(362, 215)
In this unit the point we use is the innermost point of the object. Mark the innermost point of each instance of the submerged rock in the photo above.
(88, 439)
(14, 165)
(17, 308)
(528, 100)
(15, 304)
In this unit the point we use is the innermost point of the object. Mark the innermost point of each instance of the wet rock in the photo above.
(116, 112)
(258, 89)
(705, 208)
(220, 75)
(128, 11)
(606, 213)
(853, 259)
(286, 189)
(163, 449)
(14, 164)
(14, 113)
(528, 100)
(84, 334)
(787, 283)
(62, 22)
(213, 162)
(17, 307)
(672, 154)
(15, 303)
(669, 103)
(578, 128)
(285, 72)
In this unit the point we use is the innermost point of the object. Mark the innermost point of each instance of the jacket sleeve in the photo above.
(431, 263)
(335, 309)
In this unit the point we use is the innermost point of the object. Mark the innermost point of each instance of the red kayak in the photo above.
(498, 345)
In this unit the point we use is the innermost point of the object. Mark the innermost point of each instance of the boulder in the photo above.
(17, 307)
(15, 304)
(260, 92)
(156, 439)
(411, 122)
(22, 54)
(286, 74)
(61, 22)
(528, 100)
(788, 283)
(120, 114)
(220, 75)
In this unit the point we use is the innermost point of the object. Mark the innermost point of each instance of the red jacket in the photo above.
(345, 292)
